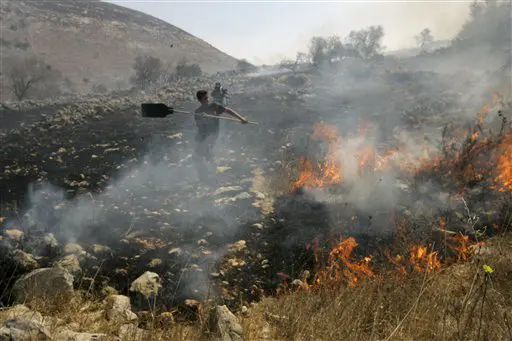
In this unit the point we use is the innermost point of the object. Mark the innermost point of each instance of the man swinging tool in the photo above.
(208, 131)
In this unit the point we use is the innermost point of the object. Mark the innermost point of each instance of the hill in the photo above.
(92, 42)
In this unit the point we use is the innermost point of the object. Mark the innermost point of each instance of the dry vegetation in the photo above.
(394, 226)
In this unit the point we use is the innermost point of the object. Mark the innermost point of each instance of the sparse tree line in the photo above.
(365, 44)
(489, 21)
(149, 70)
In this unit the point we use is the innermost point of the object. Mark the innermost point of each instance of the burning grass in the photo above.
(467, 301)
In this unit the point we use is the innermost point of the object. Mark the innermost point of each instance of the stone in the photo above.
(73, 248)
(223, 323)
(71, 264)
(228, 189)
(53, 285)
(25, 312)
(22, 329)
(68, 335)
(165, 320)
(41, 245)
(118, 310)
(133, 333)
(14, 235)
(24, 261)
(148, 284)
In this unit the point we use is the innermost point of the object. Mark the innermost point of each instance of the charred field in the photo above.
(351, 191)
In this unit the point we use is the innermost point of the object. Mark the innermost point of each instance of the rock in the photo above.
(101, 250)
(155, 263)
(118, 310)
(238, 246)
(148, 284)
(74, 249)
(53, 285)
(241, 196)
(23, 311)
(258, 226)
(44, 245)
(24, 261)
(68, 335)
(145, 290)
(228, 189)
(71, 264)
(175, 251)
(223, 323)
(133, 333)
(13, 235)
(22, 329)
(259, 195)
(165, 320)
(108, 290)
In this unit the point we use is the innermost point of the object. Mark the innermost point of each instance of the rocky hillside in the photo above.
(92, 42)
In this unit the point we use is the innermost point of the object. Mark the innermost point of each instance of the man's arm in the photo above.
(235, 114)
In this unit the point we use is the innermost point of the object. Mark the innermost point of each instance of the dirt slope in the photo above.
(92, 42)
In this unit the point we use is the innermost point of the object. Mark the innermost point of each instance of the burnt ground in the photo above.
(147, 211)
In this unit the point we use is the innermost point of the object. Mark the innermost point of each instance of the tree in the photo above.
(424, 38)
(184, 70)
(318, 50)
(244, 66)
(335, 48)
(367, 42)
(147, 71)
(27, 74)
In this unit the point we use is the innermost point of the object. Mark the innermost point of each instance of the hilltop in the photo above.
(92, 42)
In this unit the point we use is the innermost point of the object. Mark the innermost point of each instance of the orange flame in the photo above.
(504, 165)
(341, 268)
(327, 171)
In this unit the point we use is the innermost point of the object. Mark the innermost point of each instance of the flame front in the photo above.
(327, 171)
(504, 165)
(341, 268)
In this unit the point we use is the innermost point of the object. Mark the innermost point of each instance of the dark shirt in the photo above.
(207, 125)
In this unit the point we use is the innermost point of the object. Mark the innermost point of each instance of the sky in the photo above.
(265, 32)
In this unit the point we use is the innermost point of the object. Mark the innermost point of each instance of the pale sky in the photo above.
(265, 32)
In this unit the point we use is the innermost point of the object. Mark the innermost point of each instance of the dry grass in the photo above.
(462, 302)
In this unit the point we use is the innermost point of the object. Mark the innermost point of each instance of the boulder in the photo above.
(148, 284)
(224, 324)
(133, 333)
(118, 310)
(24, 261)
(25, 312)
(41, 245)
(71, 264)
(23, 329)
(68, 335)
(51, 285)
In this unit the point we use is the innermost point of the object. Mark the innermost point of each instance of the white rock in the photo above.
(148, 284)
(54, 285)
(22, 329)
(118, 309)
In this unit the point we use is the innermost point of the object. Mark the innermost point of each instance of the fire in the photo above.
(424, 261)
(327, 171)
(504, 165)
(340, 267)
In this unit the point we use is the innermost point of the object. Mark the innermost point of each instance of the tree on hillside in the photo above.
(489, 23)
(243, 66)
(287, 63)
(184, 70)
(147, 71)
(318, 50)
(335, 48)
(26, 74)
(367, 42)
(424, 38)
